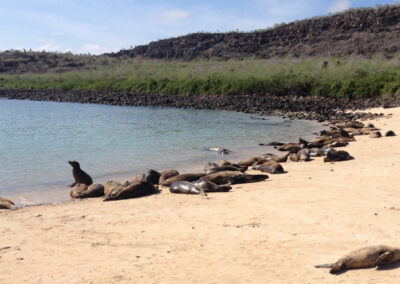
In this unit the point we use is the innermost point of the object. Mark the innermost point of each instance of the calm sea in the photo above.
(37, 139)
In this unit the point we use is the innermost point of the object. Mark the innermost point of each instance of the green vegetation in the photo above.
(280, 76)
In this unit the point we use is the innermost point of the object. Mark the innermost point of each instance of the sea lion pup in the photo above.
(138, 189)
(166, 175)
(7, 204)
(81, 190)
(223, 163)
(276, 158)
(79, 175)
(336, 156)
(186, 187)
(294, 157)
(270, 167)
(182, 177)
(228, 177)
(390, 133)
(371, 256)
(112, 185)
(209, 186)
(375, 134)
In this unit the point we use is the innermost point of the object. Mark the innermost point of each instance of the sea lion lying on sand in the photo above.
(138, 189)
(112, 185)
(371, 256)
(390, 133)
(79, 175)
(224, 168)
(375, 134)
(223, 163)
(336, 156)
(228, 177)
(270, 167)
(81, 190)
(209, 186)
(7, 204)
(183, 177)
(276, 158)
(291, 147)
(166, 175)
(186, 187)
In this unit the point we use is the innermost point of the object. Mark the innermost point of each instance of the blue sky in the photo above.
(89, 26)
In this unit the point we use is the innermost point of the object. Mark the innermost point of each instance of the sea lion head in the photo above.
(74, 164)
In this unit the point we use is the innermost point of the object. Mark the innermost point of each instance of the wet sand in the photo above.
(273, 231)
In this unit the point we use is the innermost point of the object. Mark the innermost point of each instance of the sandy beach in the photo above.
(272, 231)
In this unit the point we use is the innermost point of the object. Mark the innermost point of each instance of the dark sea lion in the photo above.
(271, 144)
(390, 133)
(303, 143)
(7, 204)
(112, 185)
(336, 156)
(227, 177)
(138, 189)
(343, 133)
(166, 175)
(270, 167)
(375, 134)
(186, 187)
(249, 162)
(225, 168)
(223, 163)
(83, 191)
(79, 175)
(183, 177)
(152, 176)
(371, 256)
(209, 186)
(291, 147)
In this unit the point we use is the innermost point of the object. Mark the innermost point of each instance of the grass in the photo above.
(281, 76)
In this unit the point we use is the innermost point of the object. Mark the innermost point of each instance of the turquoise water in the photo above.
(37, 139)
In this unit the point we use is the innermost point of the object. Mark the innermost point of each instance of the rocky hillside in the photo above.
(365, 32)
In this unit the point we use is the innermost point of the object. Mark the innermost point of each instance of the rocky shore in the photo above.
(310, 107)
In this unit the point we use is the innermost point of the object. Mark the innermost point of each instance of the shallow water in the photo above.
(113, 142)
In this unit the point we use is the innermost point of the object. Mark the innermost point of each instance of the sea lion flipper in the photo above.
(383, 258)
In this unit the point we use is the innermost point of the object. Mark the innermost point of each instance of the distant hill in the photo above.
(364, 31)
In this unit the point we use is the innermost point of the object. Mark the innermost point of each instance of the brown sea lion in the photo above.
(223, 163)
(7, 204)
(79, 175)
(249, 162)
(390, 133)
(336, 156)
(317, 152)
(209, 186)
(112, 185)
(152, 176)
(183, 177)
(270, 167)
(138, 189)
(138, 178)
(224, 168)
(291, 147)
(186, 187)
(371, 256)
(83, 191)
(304, 155)
(375, 134)
(294, 157)
(276, 158)
(166, 175)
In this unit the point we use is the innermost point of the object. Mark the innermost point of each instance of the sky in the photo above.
(98, 26)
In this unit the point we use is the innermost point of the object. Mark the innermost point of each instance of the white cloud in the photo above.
(339, 6)
(175, 14)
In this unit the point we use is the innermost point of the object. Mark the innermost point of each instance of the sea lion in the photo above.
(303, 143)
(336, 156)
(138, 178)
(81, 190)
(112, 185)
(375, 134)
(270, 167)
(291, 147)
(276, 158)
(183, 177)
(166, 175)
(223, 163)
(390, 133)
(249, 162)
(304, 155)
(209, 186)
(152, 176)
(186, 187)
(7, 204)
(371, 256)
(219, 150)
(228, 177)
(138, 189)
(271, 144)
(79, 175)
(225, 168)
(317, 152)
(294, 157)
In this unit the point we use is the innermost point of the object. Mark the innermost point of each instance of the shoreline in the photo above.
(301, 107)
(275, 230)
